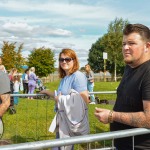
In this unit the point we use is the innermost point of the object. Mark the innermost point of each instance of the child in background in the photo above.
(16, 87)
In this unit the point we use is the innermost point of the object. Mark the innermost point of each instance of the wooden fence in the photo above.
(97, 78)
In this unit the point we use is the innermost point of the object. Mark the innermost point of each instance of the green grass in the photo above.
(106, 86)
(33, 117)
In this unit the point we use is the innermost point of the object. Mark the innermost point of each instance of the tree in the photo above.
(12, 57)
(95, 59)
(19, 58)
(43, 61)
(112, 42)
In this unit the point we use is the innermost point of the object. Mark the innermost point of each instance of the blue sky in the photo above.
(58, 24)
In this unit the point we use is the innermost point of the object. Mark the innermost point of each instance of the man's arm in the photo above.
(136, 119)
(5, 99)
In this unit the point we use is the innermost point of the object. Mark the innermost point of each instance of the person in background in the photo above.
(2, 67)
(16, 88)
(71, 78)
(32, 79)
(25, 81)
(90, 82)
(132, 106)
(11, 75)
(4, 93)
(13, 72)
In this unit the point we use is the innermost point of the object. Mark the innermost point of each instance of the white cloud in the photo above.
(17, 29)
(75, 24)
(17, 26)
(59, 32)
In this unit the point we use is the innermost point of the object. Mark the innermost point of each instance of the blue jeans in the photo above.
(90, 87)
(16, 99)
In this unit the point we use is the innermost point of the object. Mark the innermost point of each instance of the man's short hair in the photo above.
(143, 30)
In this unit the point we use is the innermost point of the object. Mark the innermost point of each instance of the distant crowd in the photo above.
(25, 83)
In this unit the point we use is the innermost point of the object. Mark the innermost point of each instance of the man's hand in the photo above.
(102, 115)
(5, 99)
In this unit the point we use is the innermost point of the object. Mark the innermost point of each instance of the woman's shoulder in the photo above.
(79, 73)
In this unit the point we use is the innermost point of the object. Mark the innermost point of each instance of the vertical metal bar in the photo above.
(112, 143)
(133, 141)
(46, 117)
(104, 144)
(36, 120)
(27, 116)
(89, 145)
(16, 123)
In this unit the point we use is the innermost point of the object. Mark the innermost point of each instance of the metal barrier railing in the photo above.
(38, 95)
(24, 95)
(99, 92)
(76, 140)
(31, 124)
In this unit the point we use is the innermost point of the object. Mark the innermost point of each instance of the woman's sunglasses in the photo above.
(16, 76)
(67, 60)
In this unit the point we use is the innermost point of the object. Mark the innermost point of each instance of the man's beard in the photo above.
(128, 62)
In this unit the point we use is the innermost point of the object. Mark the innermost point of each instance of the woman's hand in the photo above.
(57, 97)
(48, 93)
(51, 94)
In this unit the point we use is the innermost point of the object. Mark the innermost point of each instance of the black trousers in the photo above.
(25, 88)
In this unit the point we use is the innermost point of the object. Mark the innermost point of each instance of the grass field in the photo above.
(33, 117)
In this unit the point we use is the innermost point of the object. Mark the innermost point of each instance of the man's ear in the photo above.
(147, 47)
(145, 50)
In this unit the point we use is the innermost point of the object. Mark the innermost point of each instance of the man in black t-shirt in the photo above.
(132, 107)
(4, 92)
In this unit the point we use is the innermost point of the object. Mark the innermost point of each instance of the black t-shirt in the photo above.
(133, 89)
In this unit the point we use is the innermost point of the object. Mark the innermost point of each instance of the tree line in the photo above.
(43, 58)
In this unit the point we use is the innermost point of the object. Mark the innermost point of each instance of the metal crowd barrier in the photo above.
(28, 95)
(76, 140)
(99, 92)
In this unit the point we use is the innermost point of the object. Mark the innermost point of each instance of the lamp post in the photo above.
(104, 57)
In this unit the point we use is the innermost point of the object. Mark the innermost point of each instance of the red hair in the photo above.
(70, 53)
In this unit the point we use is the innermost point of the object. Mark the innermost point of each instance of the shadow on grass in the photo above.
(20, 139)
